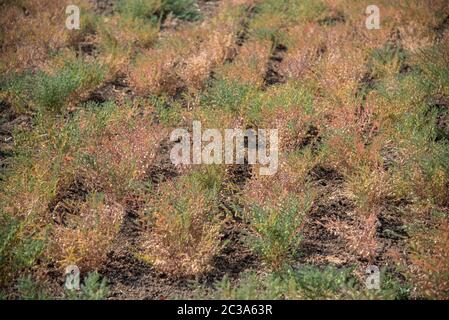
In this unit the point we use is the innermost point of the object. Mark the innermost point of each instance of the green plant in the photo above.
(251, 286)
(169, 111)
(139, 9)
(434, 64)
(52, 92)
(20, 246)
(304, 282)
(154, 10)
(277, 229)
(385, 60)
(423, 171)
(184, 9)
(29, 289)
(93, 288)
(273, 16)
(231, 96)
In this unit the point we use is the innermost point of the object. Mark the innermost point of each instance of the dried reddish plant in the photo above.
(250, 65)
(186, 58)
(216, 49)
(184, 233)
(289, 180)
(123, 156)
(306, 48)
(359, 234)
(84, 238)
(39, 28)
(429, 268)
(154, 73)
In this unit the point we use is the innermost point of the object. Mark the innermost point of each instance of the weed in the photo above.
(423, 171)
(434, 64)
(277, 230)
(53, 92)
(184, 9)
(20, 246)
(305, 282)
(273, 16)
(169, 111)
(29, 289)
(93, 288)
(158, 9)
(231, 96)
(139, 9)
(387, 61)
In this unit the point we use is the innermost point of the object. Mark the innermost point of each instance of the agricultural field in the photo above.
(357, 206)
